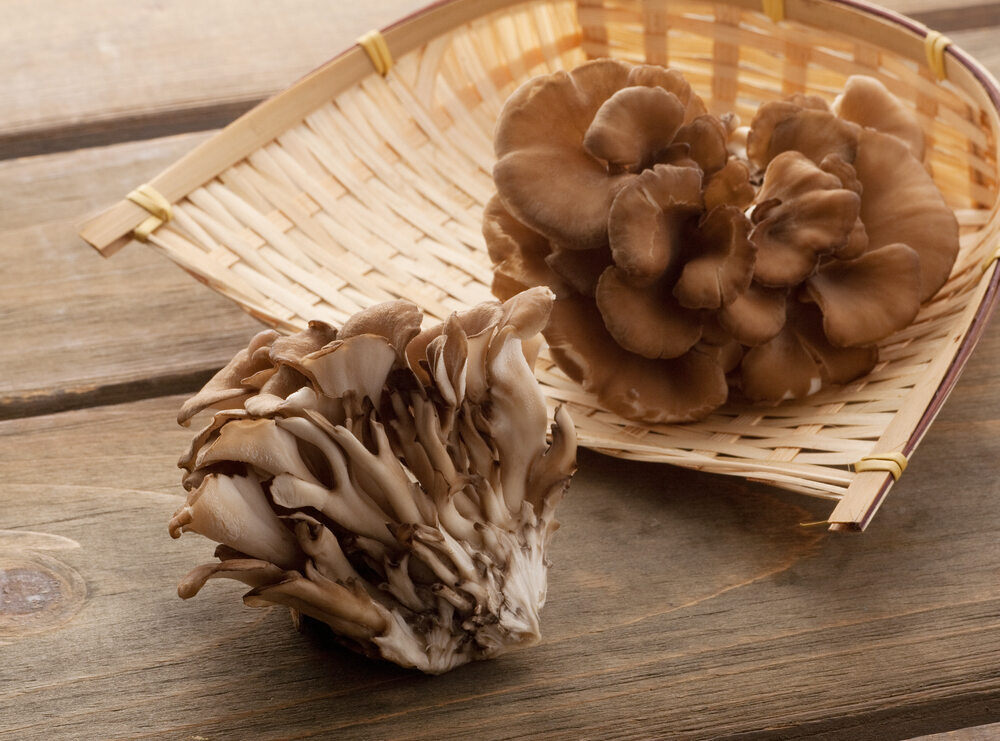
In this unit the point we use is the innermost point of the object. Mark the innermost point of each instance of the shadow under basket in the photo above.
(365, 181)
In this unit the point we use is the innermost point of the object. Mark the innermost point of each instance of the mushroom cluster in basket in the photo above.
(692, 258)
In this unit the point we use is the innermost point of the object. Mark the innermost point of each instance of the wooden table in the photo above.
(681, 605)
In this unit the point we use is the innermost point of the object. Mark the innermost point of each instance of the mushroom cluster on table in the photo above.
(394, 484)
(693, 259)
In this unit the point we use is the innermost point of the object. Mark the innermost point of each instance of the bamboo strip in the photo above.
(351, 188)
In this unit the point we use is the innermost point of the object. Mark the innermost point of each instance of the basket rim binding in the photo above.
(113, 228)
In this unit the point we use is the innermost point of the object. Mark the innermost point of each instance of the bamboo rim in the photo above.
(112, 229)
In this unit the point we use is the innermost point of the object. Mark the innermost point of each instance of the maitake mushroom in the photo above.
(394, 484)
(615, 189)
(852, 236)
(689, 255)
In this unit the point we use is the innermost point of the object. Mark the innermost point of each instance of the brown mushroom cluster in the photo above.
(692, 258)
(394, 484)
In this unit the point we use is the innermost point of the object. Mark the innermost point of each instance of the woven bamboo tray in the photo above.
(365, 181)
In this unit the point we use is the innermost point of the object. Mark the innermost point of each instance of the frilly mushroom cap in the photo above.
(545, 177)
(756, 316)
(519, 254)
(403, 494)
(671, 80)
(730, 186)
(802, 214)
(799, 360)
(874, 158)
(867, 102)
(722, 263)
(784, 126)
(233, 383)
(868, 298)
(581, 269)
(701, 142)
(633, 126)
(647, 218)
(646, 320)
(681, 389)
(566, 144)
(901, 204)
(670, 259)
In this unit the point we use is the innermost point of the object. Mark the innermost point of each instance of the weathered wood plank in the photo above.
(151, 69)
(143, 61)
(680, 604)
(82, 331)
(942, 17)
(921, 9)
(78, 329)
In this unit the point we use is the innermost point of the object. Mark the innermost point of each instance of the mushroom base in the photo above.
(498, 610)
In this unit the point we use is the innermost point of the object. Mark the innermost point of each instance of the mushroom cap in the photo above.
(730, 186)
(396, 321)
(227, 385)
(519, 254)
(681, 389)
(901, 203)
(633, 125)
(868, 298)
(723, 261)
(756, 316)
(647, 320)
(867, 102)
(779, 369)
(546, 178)
(647, 218)
(671, 80)
(857, 241)
(567, 143)
(783, 126)
(802, 214)
(579, 269)
(812, 102)
(703, 142)
(799, 360)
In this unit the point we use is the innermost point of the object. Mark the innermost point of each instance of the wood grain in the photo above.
(680, 605)
(946, 16)
(960, 17)
(85, 330)
(70, 74)
(100, 90)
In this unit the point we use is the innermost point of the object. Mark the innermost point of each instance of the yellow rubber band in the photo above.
(158, 207)
(934, 44)
(374, 44)
(894, 463)
(774, 9)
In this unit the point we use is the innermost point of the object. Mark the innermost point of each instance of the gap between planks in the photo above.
(49, 401)
(139, 125)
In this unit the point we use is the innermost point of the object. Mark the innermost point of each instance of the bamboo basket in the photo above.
(365, 181)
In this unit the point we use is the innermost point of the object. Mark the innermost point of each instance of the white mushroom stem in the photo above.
(518, 412)
(234, 510)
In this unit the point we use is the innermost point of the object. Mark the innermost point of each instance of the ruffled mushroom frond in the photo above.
(802, 213)
(404, 494)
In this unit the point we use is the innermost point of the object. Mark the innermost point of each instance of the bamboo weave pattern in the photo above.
(378, 194)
